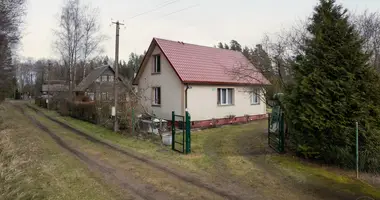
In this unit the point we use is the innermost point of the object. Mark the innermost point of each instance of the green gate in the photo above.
(181, 136)
(276, 126)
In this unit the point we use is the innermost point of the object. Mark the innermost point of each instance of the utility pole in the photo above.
(116, 78)
(48, 77)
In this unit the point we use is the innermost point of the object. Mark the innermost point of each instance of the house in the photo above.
(99, 85)
(176, 76)
(54, 87)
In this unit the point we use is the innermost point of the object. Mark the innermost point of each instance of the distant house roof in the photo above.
(206, 65)
(55, 88)
(91, 78)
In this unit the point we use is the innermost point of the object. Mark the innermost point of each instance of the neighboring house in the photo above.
(54, 87)
(98, 85)
(175, 76)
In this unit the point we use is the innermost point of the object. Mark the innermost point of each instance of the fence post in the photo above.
(281, 133)
(133, 121)
(188, 133)
(173, 130)
(269, 116)
(357, 150)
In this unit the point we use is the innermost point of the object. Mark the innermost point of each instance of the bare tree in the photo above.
(273, 59)
(77, 37)
(368, 26)
(92, 36)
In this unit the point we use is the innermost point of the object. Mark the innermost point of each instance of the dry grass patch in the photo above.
(33, 166)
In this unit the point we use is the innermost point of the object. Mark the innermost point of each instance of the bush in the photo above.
(41, 102)
(85, 111)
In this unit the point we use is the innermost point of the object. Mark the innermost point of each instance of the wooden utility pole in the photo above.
(48, 93)
(116, 78)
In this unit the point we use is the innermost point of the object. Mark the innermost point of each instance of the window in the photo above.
(255, 97)
(156, 96)
(225, 96)
(104, 96)
(110, 78)
(91, 95)
(104, 78)
(157, 64)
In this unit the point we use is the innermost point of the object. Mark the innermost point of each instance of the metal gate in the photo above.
(181, 136)
(276, 127)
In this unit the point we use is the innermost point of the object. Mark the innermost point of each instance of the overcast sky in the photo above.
(207, 23)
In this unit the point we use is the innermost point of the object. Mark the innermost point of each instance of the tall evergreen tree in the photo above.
(246, 52)
(234, 45)
(220, 45)
(334, 87)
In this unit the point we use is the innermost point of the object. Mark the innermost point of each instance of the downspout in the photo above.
(187, 87)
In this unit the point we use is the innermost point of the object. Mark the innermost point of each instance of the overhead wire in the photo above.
(155, 9)
(187, 8)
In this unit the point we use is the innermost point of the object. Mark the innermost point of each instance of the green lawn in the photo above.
(239, 154)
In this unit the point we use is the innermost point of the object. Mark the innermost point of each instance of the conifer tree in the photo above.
(334, 87)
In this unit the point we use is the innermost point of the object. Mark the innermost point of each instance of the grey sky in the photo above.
(208, 23)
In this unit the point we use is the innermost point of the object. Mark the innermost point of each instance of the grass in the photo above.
(298, 169)
(129, 167)
(33, 166)
(239, 153)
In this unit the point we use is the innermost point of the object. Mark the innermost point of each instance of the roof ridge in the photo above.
(216, 48)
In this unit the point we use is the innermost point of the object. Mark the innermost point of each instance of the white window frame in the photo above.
(91, 95)
(156, 63)
(255, 97)
(104, 78)
(110, 78)
(228, 101)
(103, 96)
(156, 101)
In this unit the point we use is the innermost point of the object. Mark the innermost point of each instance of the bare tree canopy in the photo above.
(368, 26)
(78, 37)
(11, 14)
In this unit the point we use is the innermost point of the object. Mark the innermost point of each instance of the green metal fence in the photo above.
(181, 134)
(276, 128)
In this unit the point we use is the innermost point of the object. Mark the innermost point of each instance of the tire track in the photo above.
(110, 173)
(229, 193)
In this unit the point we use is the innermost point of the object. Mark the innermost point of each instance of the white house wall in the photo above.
(202, 103)
(171, 88)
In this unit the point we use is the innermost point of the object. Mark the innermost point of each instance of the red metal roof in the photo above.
(208, 65)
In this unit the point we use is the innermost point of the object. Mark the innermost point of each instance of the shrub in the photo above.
(85, 111)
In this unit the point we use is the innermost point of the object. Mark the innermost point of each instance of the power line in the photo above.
(154, 9)
(187, 8)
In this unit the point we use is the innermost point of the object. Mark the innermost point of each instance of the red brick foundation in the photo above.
(224, 121)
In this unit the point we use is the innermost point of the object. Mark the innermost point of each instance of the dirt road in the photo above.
(178, 184)
(225, 166)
